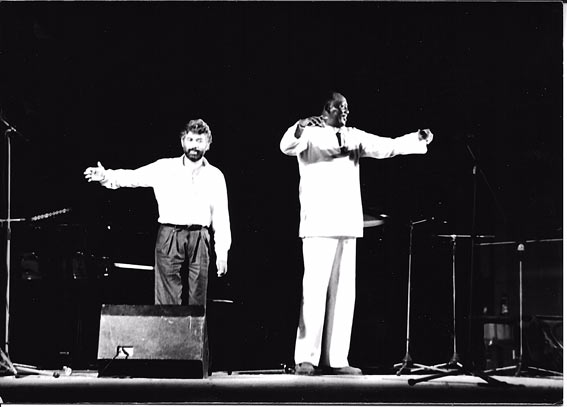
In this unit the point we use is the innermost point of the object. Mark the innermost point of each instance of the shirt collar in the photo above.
(336, 129)
(204, 163)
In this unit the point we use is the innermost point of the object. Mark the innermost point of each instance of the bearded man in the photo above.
(193, 206)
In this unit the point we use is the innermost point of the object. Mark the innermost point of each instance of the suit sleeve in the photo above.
(290, 145)
(383, 147)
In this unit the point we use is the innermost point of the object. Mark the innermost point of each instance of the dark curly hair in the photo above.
(197, 126)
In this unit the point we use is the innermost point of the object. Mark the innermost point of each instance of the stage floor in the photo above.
(250, 387)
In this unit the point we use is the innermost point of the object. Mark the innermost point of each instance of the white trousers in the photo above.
(327, 308)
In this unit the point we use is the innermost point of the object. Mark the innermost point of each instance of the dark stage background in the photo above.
(116, 81)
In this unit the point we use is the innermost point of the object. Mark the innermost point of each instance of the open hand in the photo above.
(318, 121)
(95, 173)
(222, 267)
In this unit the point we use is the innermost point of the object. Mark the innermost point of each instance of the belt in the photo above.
(185, 227)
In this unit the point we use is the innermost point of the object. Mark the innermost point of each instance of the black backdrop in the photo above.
(115, 81)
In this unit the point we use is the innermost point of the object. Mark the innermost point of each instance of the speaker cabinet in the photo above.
(153, 341)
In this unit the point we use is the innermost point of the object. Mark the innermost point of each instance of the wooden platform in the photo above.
(249, 387)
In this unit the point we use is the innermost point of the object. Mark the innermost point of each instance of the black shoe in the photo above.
(304, 369)
(347, 370)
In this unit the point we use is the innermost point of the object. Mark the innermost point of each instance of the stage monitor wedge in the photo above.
(159, 341)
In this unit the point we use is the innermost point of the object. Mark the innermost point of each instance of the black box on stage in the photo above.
(153, 341)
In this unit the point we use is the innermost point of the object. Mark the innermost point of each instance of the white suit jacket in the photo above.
(329, 186)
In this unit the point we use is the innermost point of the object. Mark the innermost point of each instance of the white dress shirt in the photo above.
(186, 195)
(329, 186)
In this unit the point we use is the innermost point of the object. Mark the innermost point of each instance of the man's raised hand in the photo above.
(95, 173)
(318, 121)
(426, 135)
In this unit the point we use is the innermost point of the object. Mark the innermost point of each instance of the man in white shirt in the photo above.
(192, 201)
(331, 218)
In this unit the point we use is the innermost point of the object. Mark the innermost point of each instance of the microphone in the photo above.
(11, 129)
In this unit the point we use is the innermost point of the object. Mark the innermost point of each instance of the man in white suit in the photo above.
(328, 155)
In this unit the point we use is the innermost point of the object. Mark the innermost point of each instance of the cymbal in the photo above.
(519, 242)
(466, 236)
(370, 221)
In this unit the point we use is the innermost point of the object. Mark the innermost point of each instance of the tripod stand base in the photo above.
(17, 369)
(408, 366)
(460, 372)
(6, 363)
(521, 369)
(411, 368)
(455, 368)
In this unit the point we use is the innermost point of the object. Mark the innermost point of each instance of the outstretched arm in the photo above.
(384, 147)
(141, 177)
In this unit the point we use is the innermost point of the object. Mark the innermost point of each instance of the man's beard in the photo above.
(194, 155)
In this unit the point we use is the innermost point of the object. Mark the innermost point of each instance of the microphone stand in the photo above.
(8, 221)
(407, 365)
(472, 243)
(14, 368)
(476, 169)
(521, 367)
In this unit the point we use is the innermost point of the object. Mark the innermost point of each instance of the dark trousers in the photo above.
(182, 256)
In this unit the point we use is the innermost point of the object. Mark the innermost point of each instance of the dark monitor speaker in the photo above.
(168, 341)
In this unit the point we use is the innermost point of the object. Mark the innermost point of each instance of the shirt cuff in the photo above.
(222, 255)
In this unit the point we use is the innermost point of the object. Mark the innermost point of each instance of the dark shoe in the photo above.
(305, 369)
(347, 370)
